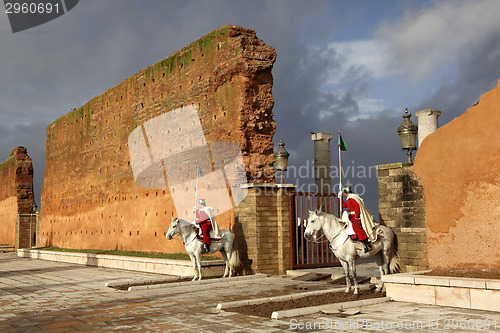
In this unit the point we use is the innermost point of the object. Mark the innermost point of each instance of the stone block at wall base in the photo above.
(160, 266)
(480, 294)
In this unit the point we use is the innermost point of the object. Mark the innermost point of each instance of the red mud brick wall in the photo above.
(89, 196)
(459, 168)
(16, 192)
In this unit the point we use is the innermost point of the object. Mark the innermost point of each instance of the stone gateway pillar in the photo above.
(401, 208)
(262, 228)
(322, 163)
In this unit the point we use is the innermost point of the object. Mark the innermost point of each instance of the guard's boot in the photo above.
(206, 248)
(368, 246)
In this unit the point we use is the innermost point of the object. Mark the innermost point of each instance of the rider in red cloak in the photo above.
(354, 212)
(203, 220)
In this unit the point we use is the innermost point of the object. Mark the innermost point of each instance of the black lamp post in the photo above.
(281, 156)
(408, 134)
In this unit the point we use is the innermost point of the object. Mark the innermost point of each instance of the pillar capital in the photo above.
(321, 136)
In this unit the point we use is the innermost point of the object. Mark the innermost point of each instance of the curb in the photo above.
(121, 283)
(257, 301)
(327, 308)
(191, 283)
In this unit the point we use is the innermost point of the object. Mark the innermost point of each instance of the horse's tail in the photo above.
(233, 257)
(394, 262)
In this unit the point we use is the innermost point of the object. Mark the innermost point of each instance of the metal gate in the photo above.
(306, 253)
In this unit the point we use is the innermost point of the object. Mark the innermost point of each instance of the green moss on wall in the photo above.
(206, 45)
(8, 163)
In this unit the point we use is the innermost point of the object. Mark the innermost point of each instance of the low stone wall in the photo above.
(149, 265)
(480, 294)
(401, 208)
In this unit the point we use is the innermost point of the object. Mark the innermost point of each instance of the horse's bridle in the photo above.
(329, 240)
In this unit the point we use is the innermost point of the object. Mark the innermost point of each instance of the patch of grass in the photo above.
(175, 256)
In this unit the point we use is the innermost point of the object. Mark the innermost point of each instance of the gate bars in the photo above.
(303, 253)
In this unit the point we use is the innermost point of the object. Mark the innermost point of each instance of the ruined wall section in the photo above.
(459, 168)
(89, 196)
(16, 192)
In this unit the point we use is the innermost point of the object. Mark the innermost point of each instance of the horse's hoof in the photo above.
(347, 291)
(194, 279)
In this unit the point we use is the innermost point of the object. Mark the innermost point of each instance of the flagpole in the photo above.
(340, 177)
(340, 165)
(196, 190)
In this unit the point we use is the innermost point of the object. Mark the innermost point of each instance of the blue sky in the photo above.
(352, 66)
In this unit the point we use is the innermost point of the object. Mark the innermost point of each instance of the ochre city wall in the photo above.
(89, 196)
(459, 168)
(16, 192)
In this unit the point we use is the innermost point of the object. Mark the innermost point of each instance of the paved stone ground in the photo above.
(37, 295)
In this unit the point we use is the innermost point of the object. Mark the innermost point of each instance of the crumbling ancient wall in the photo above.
(89, 196)
(459, 168)
(16, 192)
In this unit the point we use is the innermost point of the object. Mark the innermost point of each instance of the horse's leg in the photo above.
(352, 267)
(233, 259)
(386, 255)
(226, 262)
(198, 263)
(379, 259)
(345, 266)
(193, 261)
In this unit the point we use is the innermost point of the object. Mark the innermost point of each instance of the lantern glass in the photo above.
(408, 132)
(408, 139)
(281, 163)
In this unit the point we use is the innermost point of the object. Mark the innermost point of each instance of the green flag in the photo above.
(342, 144)
(200, 173)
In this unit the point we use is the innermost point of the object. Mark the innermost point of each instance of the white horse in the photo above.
(347, 250)
(193, 245)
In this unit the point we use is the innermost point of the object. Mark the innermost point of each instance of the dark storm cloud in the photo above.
(61, 65)
(477, 74)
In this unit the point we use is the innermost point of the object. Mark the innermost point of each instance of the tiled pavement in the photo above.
(37, 295)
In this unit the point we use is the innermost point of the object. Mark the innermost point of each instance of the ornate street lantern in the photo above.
(408, 134)
(281, 156)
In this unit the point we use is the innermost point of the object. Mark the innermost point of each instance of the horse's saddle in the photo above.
(213, 238)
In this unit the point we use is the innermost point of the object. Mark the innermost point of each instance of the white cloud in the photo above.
(433, 39)
(356, 66)
(368, 54)
(368, 107)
